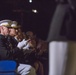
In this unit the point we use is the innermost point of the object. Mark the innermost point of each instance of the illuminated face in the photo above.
(4, 30)
(13, 31)
(19, 36)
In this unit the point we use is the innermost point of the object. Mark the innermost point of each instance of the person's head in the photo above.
(14, 29)
(20, 35)
(29, 33)
(4, 27)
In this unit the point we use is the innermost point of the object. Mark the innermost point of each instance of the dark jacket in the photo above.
(8, 49)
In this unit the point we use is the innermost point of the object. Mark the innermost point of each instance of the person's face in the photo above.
(5, 30)
(19, 36)
(13, 31)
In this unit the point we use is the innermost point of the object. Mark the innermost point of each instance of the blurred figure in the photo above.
(29, 52)
(30, 34)
(41, 51)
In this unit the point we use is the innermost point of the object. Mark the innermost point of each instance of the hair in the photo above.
(1, 28)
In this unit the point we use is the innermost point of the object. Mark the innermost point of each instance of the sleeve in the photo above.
(6, 53)
(3, 50)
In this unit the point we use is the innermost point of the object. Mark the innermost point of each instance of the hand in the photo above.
(26, 47)
(22, 43)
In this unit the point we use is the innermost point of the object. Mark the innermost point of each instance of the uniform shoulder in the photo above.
(2, 36)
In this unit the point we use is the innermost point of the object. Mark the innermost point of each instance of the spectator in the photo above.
(7, 51)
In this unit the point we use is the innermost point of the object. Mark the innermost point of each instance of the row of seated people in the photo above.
(25, 48)
(36, 52)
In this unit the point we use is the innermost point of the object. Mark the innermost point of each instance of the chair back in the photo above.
(7, 67)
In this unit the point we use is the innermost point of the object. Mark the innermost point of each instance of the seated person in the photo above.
(29, 52)
(8, 49)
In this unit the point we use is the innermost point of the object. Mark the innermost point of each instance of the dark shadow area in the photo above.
(21, 11)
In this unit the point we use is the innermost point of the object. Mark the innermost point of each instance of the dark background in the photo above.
(21, 11)
(39, 23)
